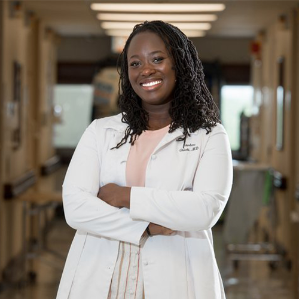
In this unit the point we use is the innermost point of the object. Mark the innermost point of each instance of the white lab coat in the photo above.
(186, 189)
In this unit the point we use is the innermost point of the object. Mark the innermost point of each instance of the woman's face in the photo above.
(151, 69)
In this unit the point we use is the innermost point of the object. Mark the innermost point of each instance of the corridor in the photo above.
(231, 66)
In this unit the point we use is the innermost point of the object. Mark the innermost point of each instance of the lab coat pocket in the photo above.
(75, 276)
(204, 270)
(71, 265)
(189, 276)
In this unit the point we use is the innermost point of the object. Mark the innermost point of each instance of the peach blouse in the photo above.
(127, 279)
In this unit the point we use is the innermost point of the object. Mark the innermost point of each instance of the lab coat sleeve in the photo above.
(84, 211)
(200, 208)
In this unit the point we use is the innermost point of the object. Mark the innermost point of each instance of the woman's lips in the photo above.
(151, 84)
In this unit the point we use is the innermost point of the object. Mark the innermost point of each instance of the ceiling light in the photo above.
(118, 32)
(194, 33)
(151, 17)
(126, 33)
(157, 7)
(130, 25)
(193, 26)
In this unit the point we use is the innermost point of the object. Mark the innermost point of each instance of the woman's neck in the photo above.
(158, 116)
(158, 123)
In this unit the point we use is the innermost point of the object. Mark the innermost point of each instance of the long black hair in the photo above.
(192, 106)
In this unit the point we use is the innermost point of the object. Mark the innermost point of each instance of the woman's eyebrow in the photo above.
(155, 52)
(151, 53)
(134, 56)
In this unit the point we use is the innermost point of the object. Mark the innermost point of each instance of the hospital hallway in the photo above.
(60, 71)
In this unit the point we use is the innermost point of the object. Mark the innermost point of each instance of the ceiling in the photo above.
(240, 18)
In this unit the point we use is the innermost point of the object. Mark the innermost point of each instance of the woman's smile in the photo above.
(151, 84)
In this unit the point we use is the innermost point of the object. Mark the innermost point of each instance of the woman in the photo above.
(145, 187)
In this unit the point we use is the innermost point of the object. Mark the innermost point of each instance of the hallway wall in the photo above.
(279, 40)
(295, 208)
(27, 79)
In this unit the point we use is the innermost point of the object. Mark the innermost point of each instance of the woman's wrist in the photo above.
(125, 202)
(148, 231)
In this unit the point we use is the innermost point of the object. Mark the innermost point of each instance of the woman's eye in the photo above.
(134, 63)
(158, 59)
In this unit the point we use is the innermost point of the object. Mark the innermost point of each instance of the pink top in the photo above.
(127, 279)
(139, 155)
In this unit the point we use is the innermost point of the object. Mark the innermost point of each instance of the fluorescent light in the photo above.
(194, 33)
(157, 7)
(193, 26)
(118, 32)
(118, 25)
(151, 17)
(126, 33)
(130, 25)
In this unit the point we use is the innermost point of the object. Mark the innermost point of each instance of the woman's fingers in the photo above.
(156, 229)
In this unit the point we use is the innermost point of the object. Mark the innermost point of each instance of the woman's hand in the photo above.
(115, 195)
(156, 229)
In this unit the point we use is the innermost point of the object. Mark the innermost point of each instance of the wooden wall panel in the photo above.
(47, 78)
(33, 47)
(295, 185)
(278, 41)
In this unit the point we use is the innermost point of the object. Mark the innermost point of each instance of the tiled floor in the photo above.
(49, 267)
(253, 280)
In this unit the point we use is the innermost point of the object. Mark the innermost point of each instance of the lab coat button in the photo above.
(154, 157)
(145, 263)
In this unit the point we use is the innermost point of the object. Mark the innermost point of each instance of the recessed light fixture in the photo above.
(125, 33)
(194, 33)
(193, 26)
(130, 25)
(157, 7)
(141, 17)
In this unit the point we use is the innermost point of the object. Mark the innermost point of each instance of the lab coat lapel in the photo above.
(169, 137)
(123, 153)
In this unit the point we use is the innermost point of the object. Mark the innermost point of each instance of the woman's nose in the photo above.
(148, 70)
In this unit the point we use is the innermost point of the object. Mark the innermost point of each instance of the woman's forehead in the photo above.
(146, 40)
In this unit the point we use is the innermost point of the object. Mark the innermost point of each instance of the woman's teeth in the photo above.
(151, 83)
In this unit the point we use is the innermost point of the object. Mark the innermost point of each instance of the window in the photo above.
(73, 107)
(235, 100)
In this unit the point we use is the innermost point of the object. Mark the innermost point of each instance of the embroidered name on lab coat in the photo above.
(189, 148)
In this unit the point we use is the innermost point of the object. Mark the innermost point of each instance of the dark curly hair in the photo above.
(192, 106)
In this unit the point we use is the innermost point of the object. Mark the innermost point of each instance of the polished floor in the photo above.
(252, 280)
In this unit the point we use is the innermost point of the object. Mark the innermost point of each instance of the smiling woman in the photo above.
(144, 188)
